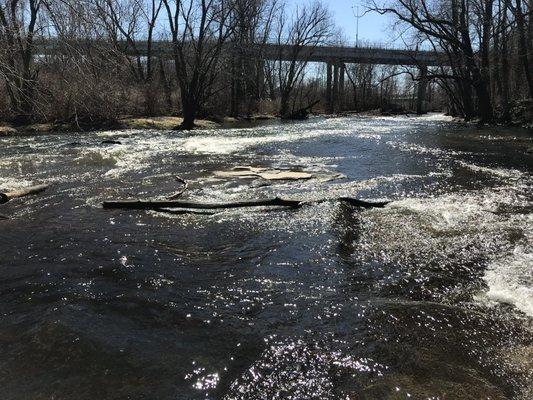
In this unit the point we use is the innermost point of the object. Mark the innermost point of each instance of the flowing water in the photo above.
(428, 298)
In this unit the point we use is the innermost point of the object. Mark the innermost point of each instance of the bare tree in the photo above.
(19, 23)
(253, 24)
(92, 61)
(199, 30)
(523, 45)
(131, 25)
(361, 77)
(297, 36)
(448, 26)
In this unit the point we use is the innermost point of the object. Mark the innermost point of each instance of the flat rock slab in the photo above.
(241, 172)
(264, 173)
(285, 175)
(235, 174)
(271, 174)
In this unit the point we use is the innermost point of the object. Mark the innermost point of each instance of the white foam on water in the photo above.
(419, 149)
(136, 152)
(232, 141)
(12, 183)
(500, 172)
(139, 148)
(411, 118)
(236, 142)
(468, 225)
(436, 117)
(219, 144)
(510, 279)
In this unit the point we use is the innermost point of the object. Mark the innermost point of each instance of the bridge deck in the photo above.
(349, 55)
(356, 55)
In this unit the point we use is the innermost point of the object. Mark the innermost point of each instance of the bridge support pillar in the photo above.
(260, 82)
(335, 87)
(421, 103)
(341, 86)
(329, 94)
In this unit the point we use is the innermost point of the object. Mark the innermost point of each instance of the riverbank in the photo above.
(166, 123)
(162, 123)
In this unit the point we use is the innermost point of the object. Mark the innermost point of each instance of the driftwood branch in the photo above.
(303, 113)
(7, 196)
(275, 202)
(183, 189)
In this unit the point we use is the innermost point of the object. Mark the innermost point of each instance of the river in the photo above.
(428, 298)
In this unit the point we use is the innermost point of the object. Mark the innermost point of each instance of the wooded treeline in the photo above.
(90, 62)
(101, 60)
(488, 45)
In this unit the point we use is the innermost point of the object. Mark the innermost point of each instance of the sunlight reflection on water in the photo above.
(429, 296)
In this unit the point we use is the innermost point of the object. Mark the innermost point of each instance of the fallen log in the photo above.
(275, 202)
(184, 211)
(7, 196)
(363, 203)
(156, 204)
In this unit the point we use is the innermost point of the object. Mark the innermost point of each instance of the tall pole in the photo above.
(355, 10)
(357, 29)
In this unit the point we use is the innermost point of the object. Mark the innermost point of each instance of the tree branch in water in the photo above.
(183, 189)
(274, 202)
(7, 196)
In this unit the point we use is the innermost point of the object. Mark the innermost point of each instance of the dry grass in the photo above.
(157, 123)
(162, 123)
(40, 128)
(7, 130)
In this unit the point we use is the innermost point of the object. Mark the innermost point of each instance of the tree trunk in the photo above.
(284, 105)
(480, 84)
(505, 69)
(523, 47)
(189, 112)
(485, 111)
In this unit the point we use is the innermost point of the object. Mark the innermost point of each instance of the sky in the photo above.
(372, 27)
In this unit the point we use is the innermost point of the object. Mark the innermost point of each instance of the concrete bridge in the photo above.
(353, 55)
(335, 57)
